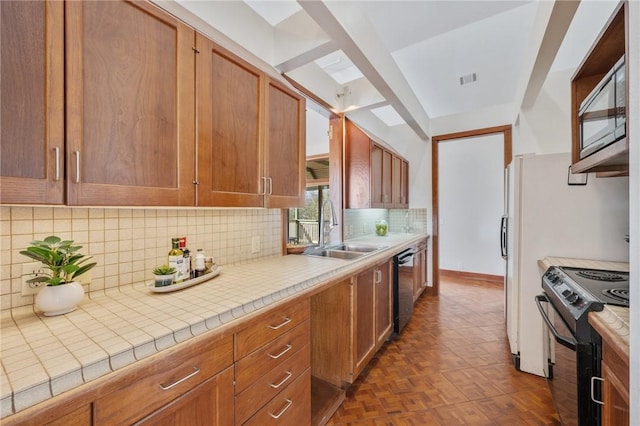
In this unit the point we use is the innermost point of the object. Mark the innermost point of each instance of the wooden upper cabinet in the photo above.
(229, 117)
(285, 147)
(404, 185)
(32, 102)
(374, 176)
(130, 105)
(610, 45)
(251, 134)
(377, 169)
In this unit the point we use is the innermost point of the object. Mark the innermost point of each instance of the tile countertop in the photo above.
(615, 319)
(46, 356)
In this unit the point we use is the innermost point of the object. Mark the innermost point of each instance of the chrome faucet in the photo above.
(333, 221)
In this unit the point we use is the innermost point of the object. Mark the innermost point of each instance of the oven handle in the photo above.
(564, 341)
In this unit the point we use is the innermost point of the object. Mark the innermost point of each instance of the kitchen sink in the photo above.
(343, 251)
(358, 248)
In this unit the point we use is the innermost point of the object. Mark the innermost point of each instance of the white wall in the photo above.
(317, 136)
(471, 178)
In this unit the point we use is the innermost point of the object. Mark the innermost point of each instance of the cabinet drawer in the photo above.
(268, 386)
(161, 380)
(292, 406)
(254, 366)
(270, 325)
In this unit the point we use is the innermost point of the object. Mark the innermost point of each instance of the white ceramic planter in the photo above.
(59, 299)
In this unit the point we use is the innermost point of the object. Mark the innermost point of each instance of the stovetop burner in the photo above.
(621, 294)
(601, 275)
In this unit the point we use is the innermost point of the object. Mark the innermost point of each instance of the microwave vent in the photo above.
(469, 78)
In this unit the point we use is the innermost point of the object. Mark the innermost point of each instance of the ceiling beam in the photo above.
(357, 38)
(306, 57)
(555, 18)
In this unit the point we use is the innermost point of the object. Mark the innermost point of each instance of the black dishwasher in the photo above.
(402, 289)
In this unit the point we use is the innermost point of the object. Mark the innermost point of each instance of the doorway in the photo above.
(435, 176)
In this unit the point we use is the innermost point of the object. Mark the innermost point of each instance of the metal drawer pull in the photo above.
(593, 398)
(287, 349)
(57, 173)
(283, 381)
(284, 409)
(77, 155)
(196, 370)
(286, 321)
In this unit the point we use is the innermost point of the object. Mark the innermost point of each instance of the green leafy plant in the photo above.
(60, 257)
(164, 270)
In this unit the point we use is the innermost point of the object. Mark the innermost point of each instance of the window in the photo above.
(304, 222)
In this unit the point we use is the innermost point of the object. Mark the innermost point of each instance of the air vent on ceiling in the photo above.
(469, 78)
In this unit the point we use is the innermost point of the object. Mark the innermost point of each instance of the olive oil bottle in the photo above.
(176, 260)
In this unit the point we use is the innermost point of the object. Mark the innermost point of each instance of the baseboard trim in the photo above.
(491, 279)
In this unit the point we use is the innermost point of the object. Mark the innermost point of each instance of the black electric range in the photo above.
(575, 358)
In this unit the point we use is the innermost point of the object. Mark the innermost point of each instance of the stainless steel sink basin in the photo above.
(343, 251)
(339, 254)
(359, 248)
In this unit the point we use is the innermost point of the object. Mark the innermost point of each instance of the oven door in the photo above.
(573, 364)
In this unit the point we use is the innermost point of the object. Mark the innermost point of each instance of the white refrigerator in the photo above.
(545, 216)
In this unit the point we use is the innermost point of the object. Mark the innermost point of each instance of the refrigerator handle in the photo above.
(503, 237)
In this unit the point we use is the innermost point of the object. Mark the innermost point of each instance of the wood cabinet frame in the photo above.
(610, 45)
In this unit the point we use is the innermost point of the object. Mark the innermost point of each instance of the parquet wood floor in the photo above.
(450, 366)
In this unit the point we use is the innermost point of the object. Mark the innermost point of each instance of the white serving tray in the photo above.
(188, 283)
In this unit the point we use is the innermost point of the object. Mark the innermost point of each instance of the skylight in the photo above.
(339, 67)
(388, 115)
(274, 12)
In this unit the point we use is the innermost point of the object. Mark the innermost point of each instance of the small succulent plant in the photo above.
(164, 270)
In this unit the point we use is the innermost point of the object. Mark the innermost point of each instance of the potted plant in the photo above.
(165, 275)
(63, 262)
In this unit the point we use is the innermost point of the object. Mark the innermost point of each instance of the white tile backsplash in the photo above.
(128, 243)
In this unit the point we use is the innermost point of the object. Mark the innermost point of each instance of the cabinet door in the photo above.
(32, 102)
(364, 324)
(358, 184)
(377, 176)
(130, 105)
(418, 274)
(387, 160)
(285, 147)
(383, 305)
(396, 182)
(404, 184)
(230, 166)
(210, 403)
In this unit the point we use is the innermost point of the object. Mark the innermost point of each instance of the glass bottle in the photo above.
(186, 254)
(200, 267)
(176, 260)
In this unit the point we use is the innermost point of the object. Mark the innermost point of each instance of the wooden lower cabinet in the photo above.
(207, 404)
(615, 372)
(157, 386)
(273, 382)
(350, 321)
(420, 270)
(291, 407)
(615, 388)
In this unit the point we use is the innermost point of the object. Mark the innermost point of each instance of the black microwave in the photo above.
(602, 117)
